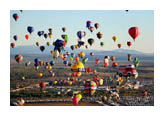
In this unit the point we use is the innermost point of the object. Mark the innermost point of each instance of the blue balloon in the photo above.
(88, 24)
(40, 33)
(72, 47)
(80, 34)
(45, 35)
(15, 37)
(73, 54)
(36, 60)
(59, 45)
(80, 43)
(30, 29)
(65, 62)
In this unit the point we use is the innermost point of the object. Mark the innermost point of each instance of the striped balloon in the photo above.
(18, 58)
(90, 87)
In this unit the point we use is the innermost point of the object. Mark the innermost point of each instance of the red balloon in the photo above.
(73, 74)
(27, 36)
(89, 69)
(119, 45)
(134, 32)
(42, 85)
(129, 43)
(12, 45)
(75, 100)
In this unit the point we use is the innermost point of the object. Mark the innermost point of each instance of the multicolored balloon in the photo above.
(18, 58)
(90, 87)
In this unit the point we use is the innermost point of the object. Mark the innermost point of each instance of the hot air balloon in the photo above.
(70, 58)
(50, 30)
(114, 38)
(37, 43)
(99, 35)
(78, 74)
(27, 63)
(18, 58)
(30, 29)
(134, 32)
(112, 58)
(129, 57)
(50, 35)
(97, 61)
(79, 96)
(82, 54)
(36, 60)
(12, 45)
(42, 85)
(101, 81)
(59, 45)
(72, 47)
(56, 54)
(21, 10)
(90, 87)
(77, 59)
(40, 75)
(136, 62)
(86, 46)
(89, 23)
(78, 67)
(48, 43)
(90, 41)
(49, 67)
(52, 63)
(65, 62)
(64, 29)
(80, 34)
(85, 60)
(126, 10)
(114, 64)
(129, 43)
(65, 37)
(73, 74)
(15, 16)
(40, 33)
(26, 36)
(22, 78)
(15, 37)
(106, 64)
(94, 71)
(42, 48)
(96, 25)
(102, 43)
(89, 70)
(75, 100)
(92, 54)
(73, 55)
(119, 45)
(45, 35)
(91, 28)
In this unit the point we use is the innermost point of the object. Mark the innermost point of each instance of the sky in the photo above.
(112, 23)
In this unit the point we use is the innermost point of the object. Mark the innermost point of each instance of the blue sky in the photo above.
(112, 23)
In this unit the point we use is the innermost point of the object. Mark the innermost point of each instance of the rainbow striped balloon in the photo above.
(18, 58)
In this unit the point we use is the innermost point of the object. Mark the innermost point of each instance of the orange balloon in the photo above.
(77, 59)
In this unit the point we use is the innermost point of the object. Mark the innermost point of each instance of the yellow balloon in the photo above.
(78, 65)
(101, 81)
(76, 46)
(55, 82)
(114, 38)
(82, 54)
(70, 83)
(70, 58)
(79, 96)
(48, 43)
(50, 35)
(40, 74)
(49, 67)
(78, 74)
(37, 43)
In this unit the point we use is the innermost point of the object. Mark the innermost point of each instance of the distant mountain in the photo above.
(36, 50)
